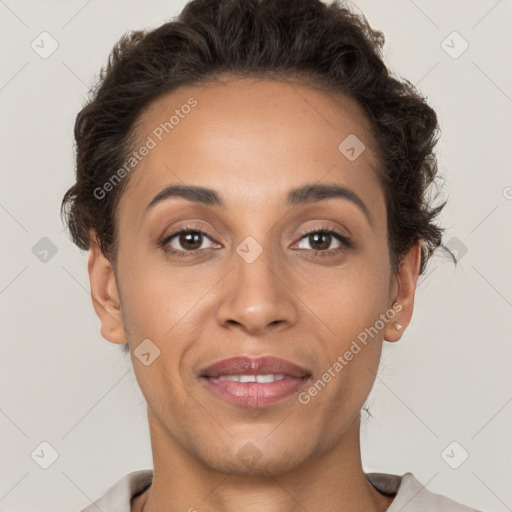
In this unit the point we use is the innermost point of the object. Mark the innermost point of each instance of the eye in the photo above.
(190, 240)
(320, 241)
(186, 241)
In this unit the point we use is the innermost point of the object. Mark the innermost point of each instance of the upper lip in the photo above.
(244, 365)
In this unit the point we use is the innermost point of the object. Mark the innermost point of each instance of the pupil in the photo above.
(191, 238)
(326, 241)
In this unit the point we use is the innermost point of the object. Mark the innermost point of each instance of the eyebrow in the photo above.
(306, 194)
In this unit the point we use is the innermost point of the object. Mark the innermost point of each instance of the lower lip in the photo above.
(254, 394)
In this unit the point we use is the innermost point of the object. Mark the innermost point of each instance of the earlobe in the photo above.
(403, 302)
(105, 294)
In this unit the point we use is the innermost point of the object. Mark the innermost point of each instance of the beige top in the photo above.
(409, 494)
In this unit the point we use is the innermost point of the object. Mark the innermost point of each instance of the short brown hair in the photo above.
(325, 44)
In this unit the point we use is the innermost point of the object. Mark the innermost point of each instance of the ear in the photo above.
(104, 293)
(403, 289)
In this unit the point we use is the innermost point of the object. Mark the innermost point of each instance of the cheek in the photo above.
(350, 305)
(153, 297)
(349, 299)
(163, 305)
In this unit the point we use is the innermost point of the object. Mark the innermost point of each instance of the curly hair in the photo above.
(328, 45)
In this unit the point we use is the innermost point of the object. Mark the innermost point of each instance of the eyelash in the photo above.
(345, 244)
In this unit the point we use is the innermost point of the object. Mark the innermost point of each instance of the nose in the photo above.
(258, 295)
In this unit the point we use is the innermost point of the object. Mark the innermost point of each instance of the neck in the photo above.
(331, 482)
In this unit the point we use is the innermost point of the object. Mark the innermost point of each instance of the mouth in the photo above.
(254, 382)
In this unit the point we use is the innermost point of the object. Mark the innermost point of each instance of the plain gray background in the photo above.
(447, 380)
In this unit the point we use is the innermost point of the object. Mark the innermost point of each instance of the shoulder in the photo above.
(411, 496)
(118, 497)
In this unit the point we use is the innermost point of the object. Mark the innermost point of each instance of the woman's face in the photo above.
(254, 284)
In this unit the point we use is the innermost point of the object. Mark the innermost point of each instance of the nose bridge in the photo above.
(257, 295)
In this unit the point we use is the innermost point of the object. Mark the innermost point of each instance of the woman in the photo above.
(252, 186)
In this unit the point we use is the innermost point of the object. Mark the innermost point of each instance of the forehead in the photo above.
(263, 137)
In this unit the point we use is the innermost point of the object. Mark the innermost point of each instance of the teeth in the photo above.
(252, 378)
(269, 378)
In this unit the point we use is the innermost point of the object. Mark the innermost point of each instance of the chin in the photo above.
(262, 458)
